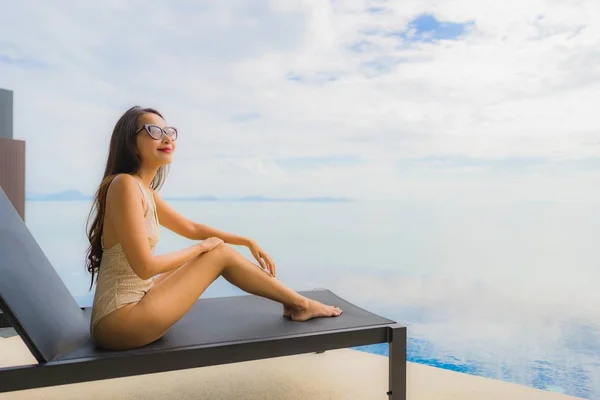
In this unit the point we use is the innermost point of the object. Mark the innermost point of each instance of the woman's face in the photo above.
(154, 146)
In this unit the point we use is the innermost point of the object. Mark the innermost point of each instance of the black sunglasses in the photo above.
(156, 131)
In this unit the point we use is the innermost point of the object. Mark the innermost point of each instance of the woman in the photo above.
(140, 295)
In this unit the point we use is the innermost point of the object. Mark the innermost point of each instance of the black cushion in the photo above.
(244, 318)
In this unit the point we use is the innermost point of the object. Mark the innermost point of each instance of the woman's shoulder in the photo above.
(122, 181)
(122, 185)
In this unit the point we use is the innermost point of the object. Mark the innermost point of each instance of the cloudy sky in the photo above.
(411, 100)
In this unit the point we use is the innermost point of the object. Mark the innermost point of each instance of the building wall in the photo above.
(6, 113)
(12, 172)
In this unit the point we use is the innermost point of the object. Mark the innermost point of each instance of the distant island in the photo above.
(74, 195)
(64, 195)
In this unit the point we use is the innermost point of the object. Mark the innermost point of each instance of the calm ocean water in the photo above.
(507, 292)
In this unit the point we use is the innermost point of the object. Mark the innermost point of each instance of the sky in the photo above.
(454, 100)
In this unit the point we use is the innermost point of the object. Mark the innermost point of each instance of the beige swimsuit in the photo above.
(117, 284)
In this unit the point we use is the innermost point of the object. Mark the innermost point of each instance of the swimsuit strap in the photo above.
(149, 204)
(143, 192)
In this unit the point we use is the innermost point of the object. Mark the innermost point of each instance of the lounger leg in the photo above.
(397, 361)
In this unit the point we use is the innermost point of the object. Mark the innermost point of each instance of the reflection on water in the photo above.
(484, 332)
(506, 292)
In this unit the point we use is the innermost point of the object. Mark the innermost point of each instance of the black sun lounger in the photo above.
(215, 331)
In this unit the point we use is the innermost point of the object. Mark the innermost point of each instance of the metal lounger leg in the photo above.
(397, 362)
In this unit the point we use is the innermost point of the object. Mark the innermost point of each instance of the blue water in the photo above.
(505, 292)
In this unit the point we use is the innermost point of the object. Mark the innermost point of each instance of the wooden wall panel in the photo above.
(12, 172)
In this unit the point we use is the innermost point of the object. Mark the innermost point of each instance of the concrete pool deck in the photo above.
(338, 374)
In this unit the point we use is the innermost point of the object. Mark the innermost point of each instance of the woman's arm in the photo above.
(177, 223)
(126, 213)
(172, 220)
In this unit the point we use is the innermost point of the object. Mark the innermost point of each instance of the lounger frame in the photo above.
(54, 327)
(83, 370)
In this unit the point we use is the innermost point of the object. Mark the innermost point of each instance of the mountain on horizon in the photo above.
(64, 195)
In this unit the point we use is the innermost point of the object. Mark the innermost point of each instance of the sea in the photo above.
(504, 291)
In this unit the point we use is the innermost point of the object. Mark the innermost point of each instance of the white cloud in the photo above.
(522, 83)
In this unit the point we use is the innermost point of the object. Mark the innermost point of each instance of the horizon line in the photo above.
(74, 195)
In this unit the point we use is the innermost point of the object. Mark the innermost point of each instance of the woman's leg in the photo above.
(287, 309)
(144, 322)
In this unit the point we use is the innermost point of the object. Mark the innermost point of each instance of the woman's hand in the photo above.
(262, 257)
(209, 244)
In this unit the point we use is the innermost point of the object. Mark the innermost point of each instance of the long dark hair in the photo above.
(123, 157)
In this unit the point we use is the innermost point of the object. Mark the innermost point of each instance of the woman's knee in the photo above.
(218, 257)
(223, 250)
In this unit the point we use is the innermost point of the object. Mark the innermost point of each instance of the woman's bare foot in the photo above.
(287, 311)
(313, 309)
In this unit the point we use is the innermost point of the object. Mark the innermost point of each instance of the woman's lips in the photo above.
(165, 150)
